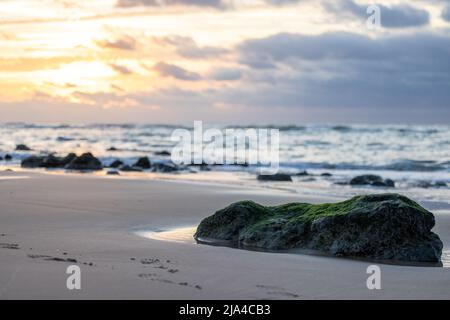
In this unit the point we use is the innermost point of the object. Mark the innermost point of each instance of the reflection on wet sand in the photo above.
(183, 235)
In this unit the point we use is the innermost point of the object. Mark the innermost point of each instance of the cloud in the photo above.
(120, 69)
(171, 70)
(123, 43)
(394, 16)
(225, 74)
(348, 70)
(218, 4)
(446, 13)
(186, 47)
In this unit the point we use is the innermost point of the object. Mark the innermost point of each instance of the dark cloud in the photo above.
(188, 48)
(395, 16)
(349, 70)
(218, 4)
(171, 70)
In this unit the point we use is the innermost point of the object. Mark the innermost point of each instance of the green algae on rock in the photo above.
(378, 226)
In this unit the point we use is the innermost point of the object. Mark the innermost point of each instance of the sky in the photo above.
(224, 61)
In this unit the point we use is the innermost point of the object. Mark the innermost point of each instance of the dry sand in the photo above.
(94, 219)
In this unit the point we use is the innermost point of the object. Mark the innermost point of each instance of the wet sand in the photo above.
(47, 222)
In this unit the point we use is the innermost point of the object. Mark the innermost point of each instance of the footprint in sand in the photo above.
(9, 246)
(157, 263)
(57, 259)
(277, 291)
(157, 277)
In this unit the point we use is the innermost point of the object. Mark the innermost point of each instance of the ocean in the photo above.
(416, 157)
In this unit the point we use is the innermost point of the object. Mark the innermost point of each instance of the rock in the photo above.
(22, 147)
(1, 158)
(430, 184)
(127, 168)
(302, 173)
(85, 162)
(113, 173)
(163, 153)
(63, 139)
(164, 167)
(379, 226)
(326, 174)
(49, 161)
(372, 180)
(68, 159)
(8, 157)
(116, 164)
(275, 177)
(112, 149)
(143, 163)
(32, 162)
(201, 166)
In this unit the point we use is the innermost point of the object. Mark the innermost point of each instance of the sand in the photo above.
(94, 220)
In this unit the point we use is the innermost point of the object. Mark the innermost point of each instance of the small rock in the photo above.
(202, 166)
(22, 147)
(85, 162)
(326, 174)
(163, 153)
(275, 177)
(302, 173)
(116, 164)
(164, 167)
(112, 149)
(68, 159)
(32, 162)
(113, 173)
(51, 161)
(143, 163)
(8, 157)
(127, 168)
(372, 180)
(430, 184)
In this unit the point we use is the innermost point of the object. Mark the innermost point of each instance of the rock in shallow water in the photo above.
(383, 226)
(274, 177)
(50, 161)
(22, 147)
(372, 180)
(85, 162)
(143, 163)
(116, 164)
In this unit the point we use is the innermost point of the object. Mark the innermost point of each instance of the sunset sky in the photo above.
(241, 61)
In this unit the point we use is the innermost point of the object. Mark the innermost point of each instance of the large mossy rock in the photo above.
(379, 226)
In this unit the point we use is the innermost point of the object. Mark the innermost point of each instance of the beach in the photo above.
(51, 221)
